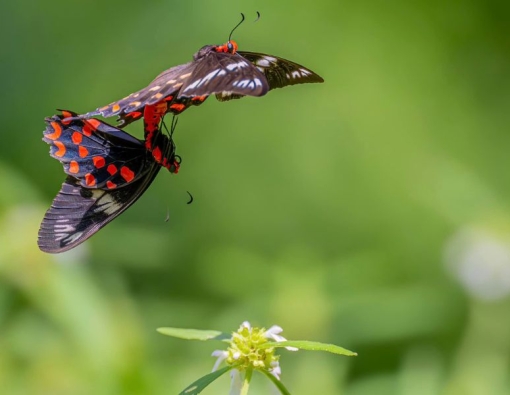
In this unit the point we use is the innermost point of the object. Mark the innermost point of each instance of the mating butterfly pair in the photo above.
(108, 169)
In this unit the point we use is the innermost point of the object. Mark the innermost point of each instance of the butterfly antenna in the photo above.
(242, 20)
(190, 198)
(258, 17)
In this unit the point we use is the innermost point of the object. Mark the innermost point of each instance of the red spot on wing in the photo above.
(110, 185)
(111, 169)
(199, 98)
(82, 151)
(61, 149)
(57, 131)
(98, 161)
(87, 130)
(178, 107)
(66, 114)
(90, 180)
(134, 115)
(127, 174)
(95, 123)
(74, 167)
(77, 137)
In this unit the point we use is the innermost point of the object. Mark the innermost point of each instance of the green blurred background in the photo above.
(369, 211)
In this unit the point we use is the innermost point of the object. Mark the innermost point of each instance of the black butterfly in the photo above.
(215, 69)
(108, 170)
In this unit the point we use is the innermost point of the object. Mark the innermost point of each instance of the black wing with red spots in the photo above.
(97, 154)
(102, 182)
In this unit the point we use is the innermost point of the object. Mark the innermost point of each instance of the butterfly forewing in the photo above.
(281, 72)
(225, 72)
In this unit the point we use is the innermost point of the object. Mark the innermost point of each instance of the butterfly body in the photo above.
(221, 70)
(108, 170)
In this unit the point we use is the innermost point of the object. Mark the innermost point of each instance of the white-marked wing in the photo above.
(165, 84)
(77, 213)
(279, 72)
(224, 72)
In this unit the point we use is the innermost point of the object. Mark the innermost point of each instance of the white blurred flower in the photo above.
(481, 263)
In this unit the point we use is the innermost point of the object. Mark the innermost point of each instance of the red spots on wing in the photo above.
(77, 137)
(178, 107)
(87, 130)
(89, 126)
(115, 108)
(57, 131)
(134, 115)
(90, 180)
(199, 98)
(61, 149)
(110, 185)
(127, 174)
(111, 169)
(66, 114)
(156, 153)
(74, 167)
(82, 151)
(98, 161)
(168, 98)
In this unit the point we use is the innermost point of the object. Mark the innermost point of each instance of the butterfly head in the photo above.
(229, 47)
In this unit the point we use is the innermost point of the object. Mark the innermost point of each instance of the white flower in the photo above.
(273, 333)
(276, 371)
(221, 355)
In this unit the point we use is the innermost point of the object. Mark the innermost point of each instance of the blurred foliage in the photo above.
(370, 211)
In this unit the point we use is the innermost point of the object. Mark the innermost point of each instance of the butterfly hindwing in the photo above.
(97, 154)
(77, 212)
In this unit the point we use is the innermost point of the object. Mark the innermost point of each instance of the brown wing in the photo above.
(166, 84)
(223, 72)
(279, 72)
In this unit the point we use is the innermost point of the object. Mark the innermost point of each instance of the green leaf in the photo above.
(276, 382)
(312, 346)
(194, 334)
(199, 385)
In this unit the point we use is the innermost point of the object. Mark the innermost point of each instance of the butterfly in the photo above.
(107, 171)
(215, 69)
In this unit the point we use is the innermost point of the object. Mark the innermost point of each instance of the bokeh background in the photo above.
(370, 211)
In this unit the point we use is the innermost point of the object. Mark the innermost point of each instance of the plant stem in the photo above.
(246, 382)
